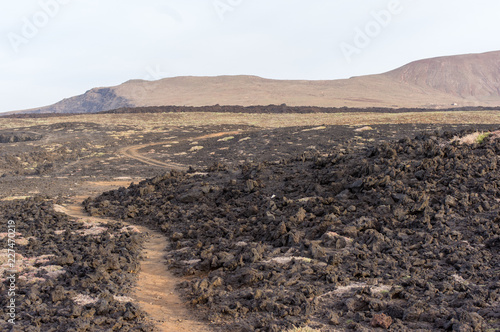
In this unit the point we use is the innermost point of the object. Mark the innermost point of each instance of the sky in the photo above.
(54, 49)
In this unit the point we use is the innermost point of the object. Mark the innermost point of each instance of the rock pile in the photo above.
(402, 236)
(68, 281)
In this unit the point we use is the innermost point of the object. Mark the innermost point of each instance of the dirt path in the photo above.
(155, 291)
(133, 153)
(133, 150)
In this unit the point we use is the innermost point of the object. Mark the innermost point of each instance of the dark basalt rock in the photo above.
(18, 136)
(88, 263)
(405, 230)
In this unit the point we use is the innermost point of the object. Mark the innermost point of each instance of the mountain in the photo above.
(475, 77)
(461, 80)
(93, 101)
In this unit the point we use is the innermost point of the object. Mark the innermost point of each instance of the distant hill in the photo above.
(473, 77)
(462, 80)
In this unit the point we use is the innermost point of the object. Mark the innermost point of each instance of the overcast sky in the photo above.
(53, 49)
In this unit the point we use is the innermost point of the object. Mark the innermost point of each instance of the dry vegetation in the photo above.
(477, 137)
(155, 122)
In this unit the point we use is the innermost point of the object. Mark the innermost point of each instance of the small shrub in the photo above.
(480, 139)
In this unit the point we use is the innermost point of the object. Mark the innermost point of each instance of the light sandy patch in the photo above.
(495, 134)
(336, 236)
(4, 235)
(365, 128)
(53, 271)
(287, 259)
(191, 262)
(117, 183)
(307, 199)
(348, 289)
(13, 198)
(196, 148)
(92, 230)
(58, 208)
(83, 300)
(29, 268)
(94, 226)
(226, 139)
(470, 139)
(315, 128)
(460, 279)
(123, 298)
(130, 229)
(24, 241)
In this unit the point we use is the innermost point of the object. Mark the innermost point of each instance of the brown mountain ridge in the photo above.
(461, 80)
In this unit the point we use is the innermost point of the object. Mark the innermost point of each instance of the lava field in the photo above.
(71, 275)
(368, 226)
(401, 235)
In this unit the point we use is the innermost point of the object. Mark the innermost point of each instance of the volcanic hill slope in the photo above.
(465, 80)
(472, 77)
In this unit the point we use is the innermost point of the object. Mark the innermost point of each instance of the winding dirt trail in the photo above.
(133, 150)
(133, 153)
(155, 290)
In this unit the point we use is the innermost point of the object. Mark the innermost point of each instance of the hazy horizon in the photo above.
(55, 49)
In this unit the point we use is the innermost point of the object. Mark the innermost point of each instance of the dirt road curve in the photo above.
(133, 151)
(155, 290)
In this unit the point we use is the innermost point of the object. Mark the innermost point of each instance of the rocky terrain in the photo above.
(402, 235)
(366, 220)
(71, 276)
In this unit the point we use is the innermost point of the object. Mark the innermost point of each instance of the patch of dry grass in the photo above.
(150, 122)
(477, 137)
